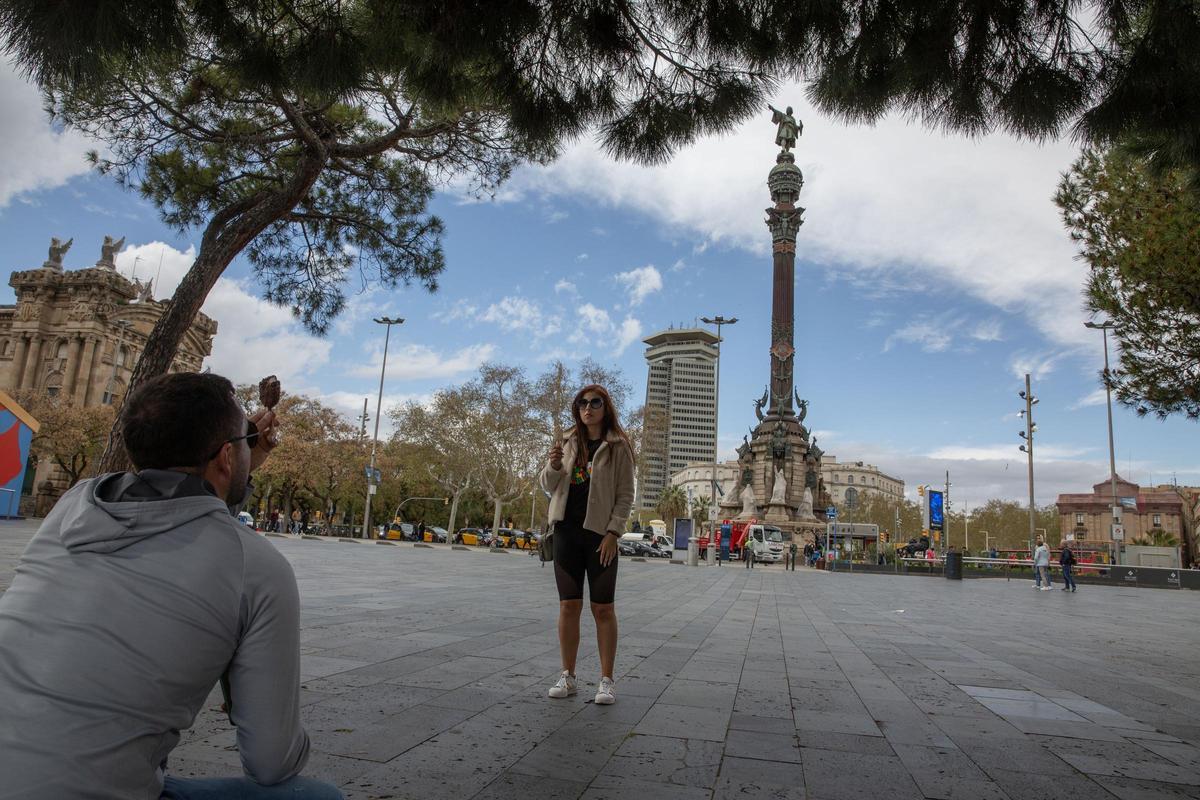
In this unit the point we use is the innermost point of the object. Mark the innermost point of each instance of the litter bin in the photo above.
(954, 566)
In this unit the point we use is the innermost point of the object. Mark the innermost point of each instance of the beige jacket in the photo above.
(610, 496)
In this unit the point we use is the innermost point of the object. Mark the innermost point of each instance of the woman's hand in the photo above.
(555, 455)
(608, 548)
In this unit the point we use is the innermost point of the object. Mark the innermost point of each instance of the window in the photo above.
(61, 350)
(1079, 519)
(849, 479)
(1158, 520)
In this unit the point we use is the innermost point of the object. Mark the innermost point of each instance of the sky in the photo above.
(932, 273)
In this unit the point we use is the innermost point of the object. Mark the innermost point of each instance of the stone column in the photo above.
(72, 366)
(30, 379)
(87, 371)
(16, 372)
(784, 220)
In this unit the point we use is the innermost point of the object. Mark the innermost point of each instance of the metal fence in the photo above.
(1104, 574)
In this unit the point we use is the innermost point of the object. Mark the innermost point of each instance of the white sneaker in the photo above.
(1047, 588)
(565, 687)
(604, 693)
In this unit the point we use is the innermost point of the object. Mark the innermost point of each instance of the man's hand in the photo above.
(268, 436)
(608, 548)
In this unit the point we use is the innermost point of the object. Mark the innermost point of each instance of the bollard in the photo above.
(693, 558)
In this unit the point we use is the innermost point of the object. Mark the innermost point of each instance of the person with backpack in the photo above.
(1066, 560)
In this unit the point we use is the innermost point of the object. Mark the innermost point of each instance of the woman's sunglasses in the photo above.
(595, 402)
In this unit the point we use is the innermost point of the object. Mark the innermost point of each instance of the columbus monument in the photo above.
(779, 466)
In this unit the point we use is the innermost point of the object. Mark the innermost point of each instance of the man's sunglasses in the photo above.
(251, 438)
(595, 402)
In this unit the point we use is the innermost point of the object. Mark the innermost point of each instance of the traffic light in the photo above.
(886, 537)
(921, 491)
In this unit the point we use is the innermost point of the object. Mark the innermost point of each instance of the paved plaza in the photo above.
(425, 674)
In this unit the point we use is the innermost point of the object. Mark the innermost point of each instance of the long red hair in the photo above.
(610, 424)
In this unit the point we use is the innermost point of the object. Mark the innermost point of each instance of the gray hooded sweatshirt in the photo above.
(136, 594)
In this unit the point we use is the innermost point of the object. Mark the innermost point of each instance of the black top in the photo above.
(577, 493)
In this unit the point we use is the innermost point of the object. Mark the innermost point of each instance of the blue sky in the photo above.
(932, 272)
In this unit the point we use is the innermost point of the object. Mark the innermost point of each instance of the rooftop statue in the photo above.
(58, 249)
(788, 130)
(108, 252)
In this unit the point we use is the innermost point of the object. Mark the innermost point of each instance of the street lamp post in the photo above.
(718, 321)
(389, 322)
(1027, 448)
(1104, 328)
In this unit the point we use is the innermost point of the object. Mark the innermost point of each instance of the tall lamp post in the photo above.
(718, 321)
(1105, 327)
(368, 531)
(1027, 435)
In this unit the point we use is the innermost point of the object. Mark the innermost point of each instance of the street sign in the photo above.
(1118, 533)
(831, 512)
(371, 488)
(712, 513)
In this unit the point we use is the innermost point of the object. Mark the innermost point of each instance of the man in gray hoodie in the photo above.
(138, 593)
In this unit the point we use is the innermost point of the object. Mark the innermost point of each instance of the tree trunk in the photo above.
(453, 512)
(496, 501)
(227, 234)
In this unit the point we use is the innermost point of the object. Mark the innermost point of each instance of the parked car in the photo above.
(472, 536)
(626, 548)
(914, 548)
(401, 530)
(435, 534)
(649, 550)
(245, 518)
(507, 536)
(519, 540)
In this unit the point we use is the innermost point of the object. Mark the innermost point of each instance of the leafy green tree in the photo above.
(1140, 235)
(71, 436)
(699, 510)
(311, 135)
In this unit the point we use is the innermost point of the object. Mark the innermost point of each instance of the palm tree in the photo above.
(672, 503)
(1157, 538)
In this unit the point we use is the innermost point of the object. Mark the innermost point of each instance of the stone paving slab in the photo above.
(425, 672)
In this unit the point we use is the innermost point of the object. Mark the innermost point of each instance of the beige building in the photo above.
(1088, 517)
(843, 480)
(696, 478)
(78, 333)
(849, 481)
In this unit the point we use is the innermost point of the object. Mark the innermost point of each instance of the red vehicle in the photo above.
(765, 540)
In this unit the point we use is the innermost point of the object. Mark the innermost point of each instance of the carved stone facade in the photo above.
(78, 334)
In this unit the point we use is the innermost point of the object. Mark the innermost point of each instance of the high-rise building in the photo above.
(681, 407)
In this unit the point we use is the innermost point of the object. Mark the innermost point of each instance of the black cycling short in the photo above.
(575, 555)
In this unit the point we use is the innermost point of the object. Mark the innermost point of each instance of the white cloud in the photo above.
(35, 156)
(1036, 365)
(1096, 397)
(351, 407)
(594, 319)
(988, 331)
(931, 335)
(629, 332)
(565, 285)
(519, 313)
(460, 310)
(640, 283)
(419, 362)
(254, 338)
(920, 207)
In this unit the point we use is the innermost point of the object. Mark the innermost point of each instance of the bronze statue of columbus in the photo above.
(788, 127)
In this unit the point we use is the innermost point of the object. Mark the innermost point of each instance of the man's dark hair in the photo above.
(180, 420)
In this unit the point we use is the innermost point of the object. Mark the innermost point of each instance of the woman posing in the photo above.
(589, 476)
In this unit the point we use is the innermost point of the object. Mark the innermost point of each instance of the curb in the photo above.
(349, 541)
(385, 541)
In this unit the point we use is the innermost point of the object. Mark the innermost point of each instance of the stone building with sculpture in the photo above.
(77, 333)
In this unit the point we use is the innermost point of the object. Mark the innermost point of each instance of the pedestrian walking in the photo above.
(589, 477)
(1066, 559)
(168, 595)
(1041, 566)
(748, 554)
(296, 521)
